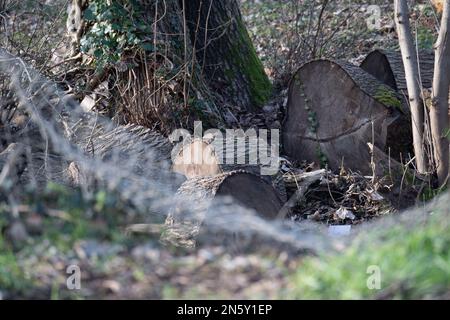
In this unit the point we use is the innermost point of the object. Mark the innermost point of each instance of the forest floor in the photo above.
(411, 249)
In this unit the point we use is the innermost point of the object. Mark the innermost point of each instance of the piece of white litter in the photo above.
(375, 196)
(339, 230)
(87, 104)
(343, 214)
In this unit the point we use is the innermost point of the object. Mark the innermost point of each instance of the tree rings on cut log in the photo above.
(335, 110)
(208, 157)
(387, 67)
(202, 198)
(197, 159)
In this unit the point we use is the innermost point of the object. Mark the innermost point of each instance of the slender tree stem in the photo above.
(412, 81)
(440, 96)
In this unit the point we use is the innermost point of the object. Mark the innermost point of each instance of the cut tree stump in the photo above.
(204, 196)
(335, 110)
(387, 67)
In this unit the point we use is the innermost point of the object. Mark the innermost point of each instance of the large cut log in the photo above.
(206, 157)
(205, 196)
(335, 109)
(387, 67)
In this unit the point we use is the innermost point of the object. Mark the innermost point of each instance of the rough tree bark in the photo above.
(440, 95)
(412, 81)
(75, 23)
(226, 53)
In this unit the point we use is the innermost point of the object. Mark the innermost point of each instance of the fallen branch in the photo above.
(302, 182)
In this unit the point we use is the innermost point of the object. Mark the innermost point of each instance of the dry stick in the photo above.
(412, 80)
(74, 58)
(194, 44)
(372, 162)
(145, 228)
(206, 36)
(153, 96)
(338, 28)
(44, 39)
(307, 180)
(329, 190)
(440, 95)
(319, 26)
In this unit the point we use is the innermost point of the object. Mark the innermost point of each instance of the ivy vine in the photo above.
(313, 124)
(115, 27)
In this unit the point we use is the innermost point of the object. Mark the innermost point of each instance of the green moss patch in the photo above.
(251, 67)
(387, 97)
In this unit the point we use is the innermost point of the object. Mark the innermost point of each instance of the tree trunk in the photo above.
(75, 23)
(440, 95)
(226, 53)
(412, 82)
(208, 43)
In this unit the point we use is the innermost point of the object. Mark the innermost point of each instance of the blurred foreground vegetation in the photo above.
(411, 251)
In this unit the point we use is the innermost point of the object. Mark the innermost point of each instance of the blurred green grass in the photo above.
(412, 254)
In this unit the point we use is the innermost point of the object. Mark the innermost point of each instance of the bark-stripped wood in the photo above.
(335, 109)
(75, 23)
(204, 193)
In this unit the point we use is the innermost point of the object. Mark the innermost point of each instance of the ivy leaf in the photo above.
(98, 53)
(89, 14)
(147, 46)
